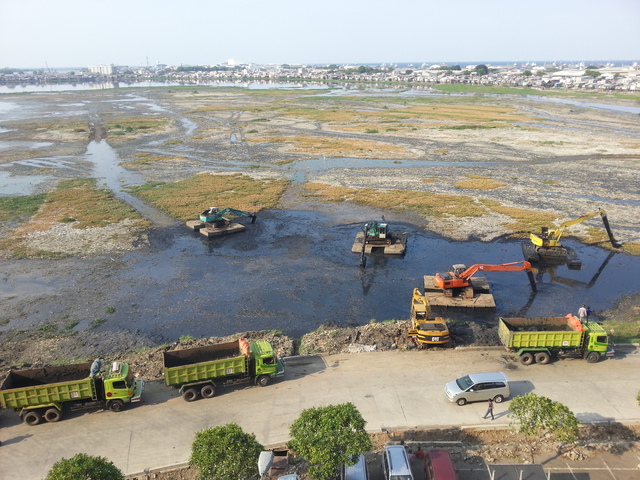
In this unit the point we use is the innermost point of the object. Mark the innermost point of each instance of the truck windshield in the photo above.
(464, 382)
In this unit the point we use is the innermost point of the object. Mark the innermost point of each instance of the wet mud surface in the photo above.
(293, 269)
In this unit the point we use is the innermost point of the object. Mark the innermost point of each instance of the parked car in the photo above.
(478, 387)
(439, 466)
(395, 463)
(357, 471)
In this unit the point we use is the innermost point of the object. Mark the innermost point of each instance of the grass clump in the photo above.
(622, 331)
(479, 183)
(185, 199)
(96, 322)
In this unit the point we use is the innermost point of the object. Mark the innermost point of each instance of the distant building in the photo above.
(102, 69)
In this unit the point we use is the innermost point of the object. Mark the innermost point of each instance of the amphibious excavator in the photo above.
(423, 328)
(213, 222)
(216, 217)
(376, 237)
(459, 276)
(548, 245)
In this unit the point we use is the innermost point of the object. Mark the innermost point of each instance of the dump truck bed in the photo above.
(541, 332)
(206, 363)
(42, 386)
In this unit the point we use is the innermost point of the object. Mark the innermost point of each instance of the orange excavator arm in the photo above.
(505, 267)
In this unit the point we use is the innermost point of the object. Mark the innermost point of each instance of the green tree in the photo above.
(329, 437)
(481, 69)
(225, 453)
(84, 467)
(537, 415)
(592, 73)
(527, 73)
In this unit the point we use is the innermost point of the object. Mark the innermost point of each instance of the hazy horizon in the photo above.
(77, 34)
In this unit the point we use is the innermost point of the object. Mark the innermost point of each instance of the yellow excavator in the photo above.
(548, 245)
(423, 328)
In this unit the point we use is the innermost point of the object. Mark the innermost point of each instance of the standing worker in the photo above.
(489, 410)
(582, 313)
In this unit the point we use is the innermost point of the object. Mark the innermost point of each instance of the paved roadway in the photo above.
(392, 390)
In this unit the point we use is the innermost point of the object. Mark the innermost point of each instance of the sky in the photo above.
(79, 33)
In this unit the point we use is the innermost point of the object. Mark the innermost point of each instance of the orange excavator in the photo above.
(459, 275)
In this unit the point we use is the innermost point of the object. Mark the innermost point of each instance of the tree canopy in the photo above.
(537, 415)
(481, 69)
(84, 467)
(225, 453)
(329, 437)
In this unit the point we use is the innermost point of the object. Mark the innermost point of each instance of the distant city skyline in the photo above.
(36, 34)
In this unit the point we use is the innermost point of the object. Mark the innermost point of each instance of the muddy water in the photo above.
(294, 270)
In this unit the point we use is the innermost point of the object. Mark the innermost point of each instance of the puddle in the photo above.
(21, 145)
(11, 185)
(599, 106)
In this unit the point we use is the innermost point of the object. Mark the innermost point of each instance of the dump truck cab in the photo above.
(120, 386)
(265, 360)
(598, 340)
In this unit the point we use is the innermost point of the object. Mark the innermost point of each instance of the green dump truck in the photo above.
(199, 371)
(44, 393)
(537, 340)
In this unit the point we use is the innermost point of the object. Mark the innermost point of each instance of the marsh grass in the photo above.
(333, 147)
(17, 208)
(78, 202)
(135, 125)
(480, 183)
(146, 158)
(185, 199)
(425, 203)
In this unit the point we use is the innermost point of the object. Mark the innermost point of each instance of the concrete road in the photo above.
(392, 390)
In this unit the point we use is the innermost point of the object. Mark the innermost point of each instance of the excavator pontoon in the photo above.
(459, 288)
(214, 221)
(376, 237)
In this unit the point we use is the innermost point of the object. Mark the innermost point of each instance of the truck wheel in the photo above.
(53, 415)
(190, 394)
(115, 405)
(32, 418)
(498, 398)
(593, 357)
(542, 358)
(461, 401)
(526, 359)
(262, 380)
(208, 391)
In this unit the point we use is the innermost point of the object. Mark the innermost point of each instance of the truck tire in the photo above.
(53, 415)
(32, 418)
(190, 394)
(593, 357)
(543, 358)
(208, 391)
(527, 359)
(262, 380)
(115, 405)
(461, 401)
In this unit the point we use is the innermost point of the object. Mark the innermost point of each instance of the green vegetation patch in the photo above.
(185, 199)
(18, 208)
(623, 331)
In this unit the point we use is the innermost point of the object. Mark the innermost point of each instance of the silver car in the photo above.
(478, 387)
